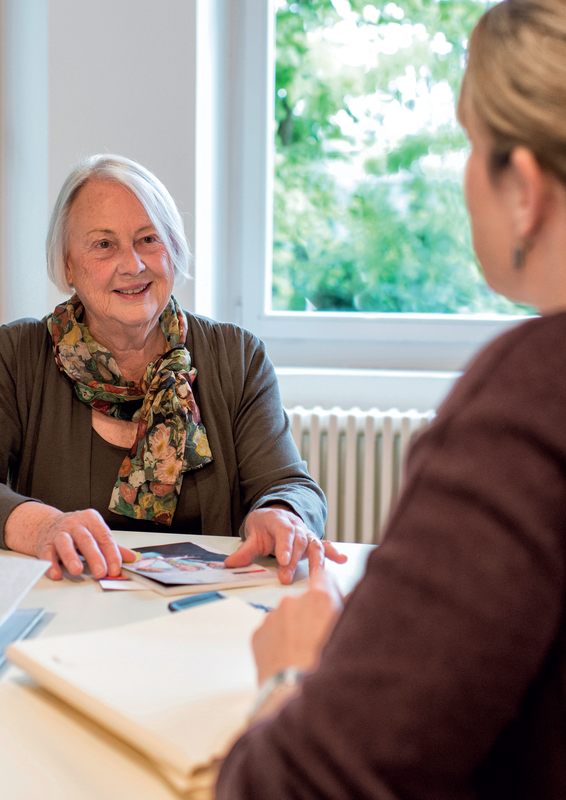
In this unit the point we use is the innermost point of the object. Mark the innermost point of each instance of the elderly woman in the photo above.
(104, 423)
(445, 674)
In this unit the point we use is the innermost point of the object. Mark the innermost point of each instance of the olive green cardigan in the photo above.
(46, 432)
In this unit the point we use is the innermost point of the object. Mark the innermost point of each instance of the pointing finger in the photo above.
(315, 553)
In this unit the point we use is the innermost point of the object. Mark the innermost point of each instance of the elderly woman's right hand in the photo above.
(43, 531)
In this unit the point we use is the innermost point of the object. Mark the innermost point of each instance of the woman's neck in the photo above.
(133, 363)
(133, 352)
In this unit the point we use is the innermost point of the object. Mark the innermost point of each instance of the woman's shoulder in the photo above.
(532, 332)
(210, 326)
(228, 355)
(24, 352)
(519, 368)
(25, 328)
(514, 390)
(519, 347)
(23, 338)
(224, 338)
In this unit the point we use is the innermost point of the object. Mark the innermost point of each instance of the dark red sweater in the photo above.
(446, 674)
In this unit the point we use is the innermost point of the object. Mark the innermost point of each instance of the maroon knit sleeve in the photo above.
(444, 675)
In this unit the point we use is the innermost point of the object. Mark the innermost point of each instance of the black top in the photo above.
(106, 460)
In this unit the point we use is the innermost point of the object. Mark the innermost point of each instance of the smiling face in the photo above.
(117, 263)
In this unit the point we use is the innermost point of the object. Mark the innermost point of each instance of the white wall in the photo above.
(122, 80)
(23, 157)
(81, 77)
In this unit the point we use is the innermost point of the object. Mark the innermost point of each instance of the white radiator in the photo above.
(357, 459)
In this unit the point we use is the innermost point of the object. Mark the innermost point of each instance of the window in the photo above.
(374, 268)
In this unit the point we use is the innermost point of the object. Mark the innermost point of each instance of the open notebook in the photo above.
(178, 688)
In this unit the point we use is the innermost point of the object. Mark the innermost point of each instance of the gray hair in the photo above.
(151, 193)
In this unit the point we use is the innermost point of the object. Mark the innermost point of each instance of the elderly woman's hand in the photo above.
(294, 634)
(276, 529)
(45, 532)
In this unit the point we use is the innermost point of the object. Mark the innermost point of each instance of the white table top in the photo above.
(47, 749)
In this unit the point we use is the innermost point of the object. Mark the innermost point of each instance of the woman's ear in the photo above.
(68, 274)
(529, 193)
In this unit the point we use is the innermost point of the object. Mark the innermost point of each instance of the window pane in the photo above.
(368, 206)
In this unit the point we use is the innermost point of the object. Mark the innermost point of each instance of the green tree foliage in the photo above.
(366, 219)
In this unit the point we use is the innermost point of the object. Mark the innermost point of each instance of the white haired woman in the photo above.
(103, 421)
(444, 678)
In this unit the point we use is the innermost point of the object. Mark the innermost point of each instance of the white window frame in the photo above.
(364, 340)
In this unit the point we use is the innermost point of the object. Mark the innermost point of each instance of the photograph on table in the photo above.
(184, 567)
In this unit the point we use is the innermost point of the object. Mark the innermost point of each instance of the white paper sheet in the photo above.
(124, 585)
(17, 576)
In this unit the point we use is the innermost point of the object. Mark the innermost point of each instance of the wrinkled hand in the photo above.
(276, 529)
(62, 539)
(49, 534)
(294, 634)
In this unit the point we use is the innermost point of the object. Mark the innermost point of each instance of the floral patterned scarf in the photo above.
(170, 439)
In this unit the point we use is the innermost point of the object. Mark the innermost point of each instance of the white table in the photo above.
(50, 751)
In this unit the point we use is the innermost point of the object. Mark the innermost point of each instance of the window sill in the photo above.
(364, 388)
